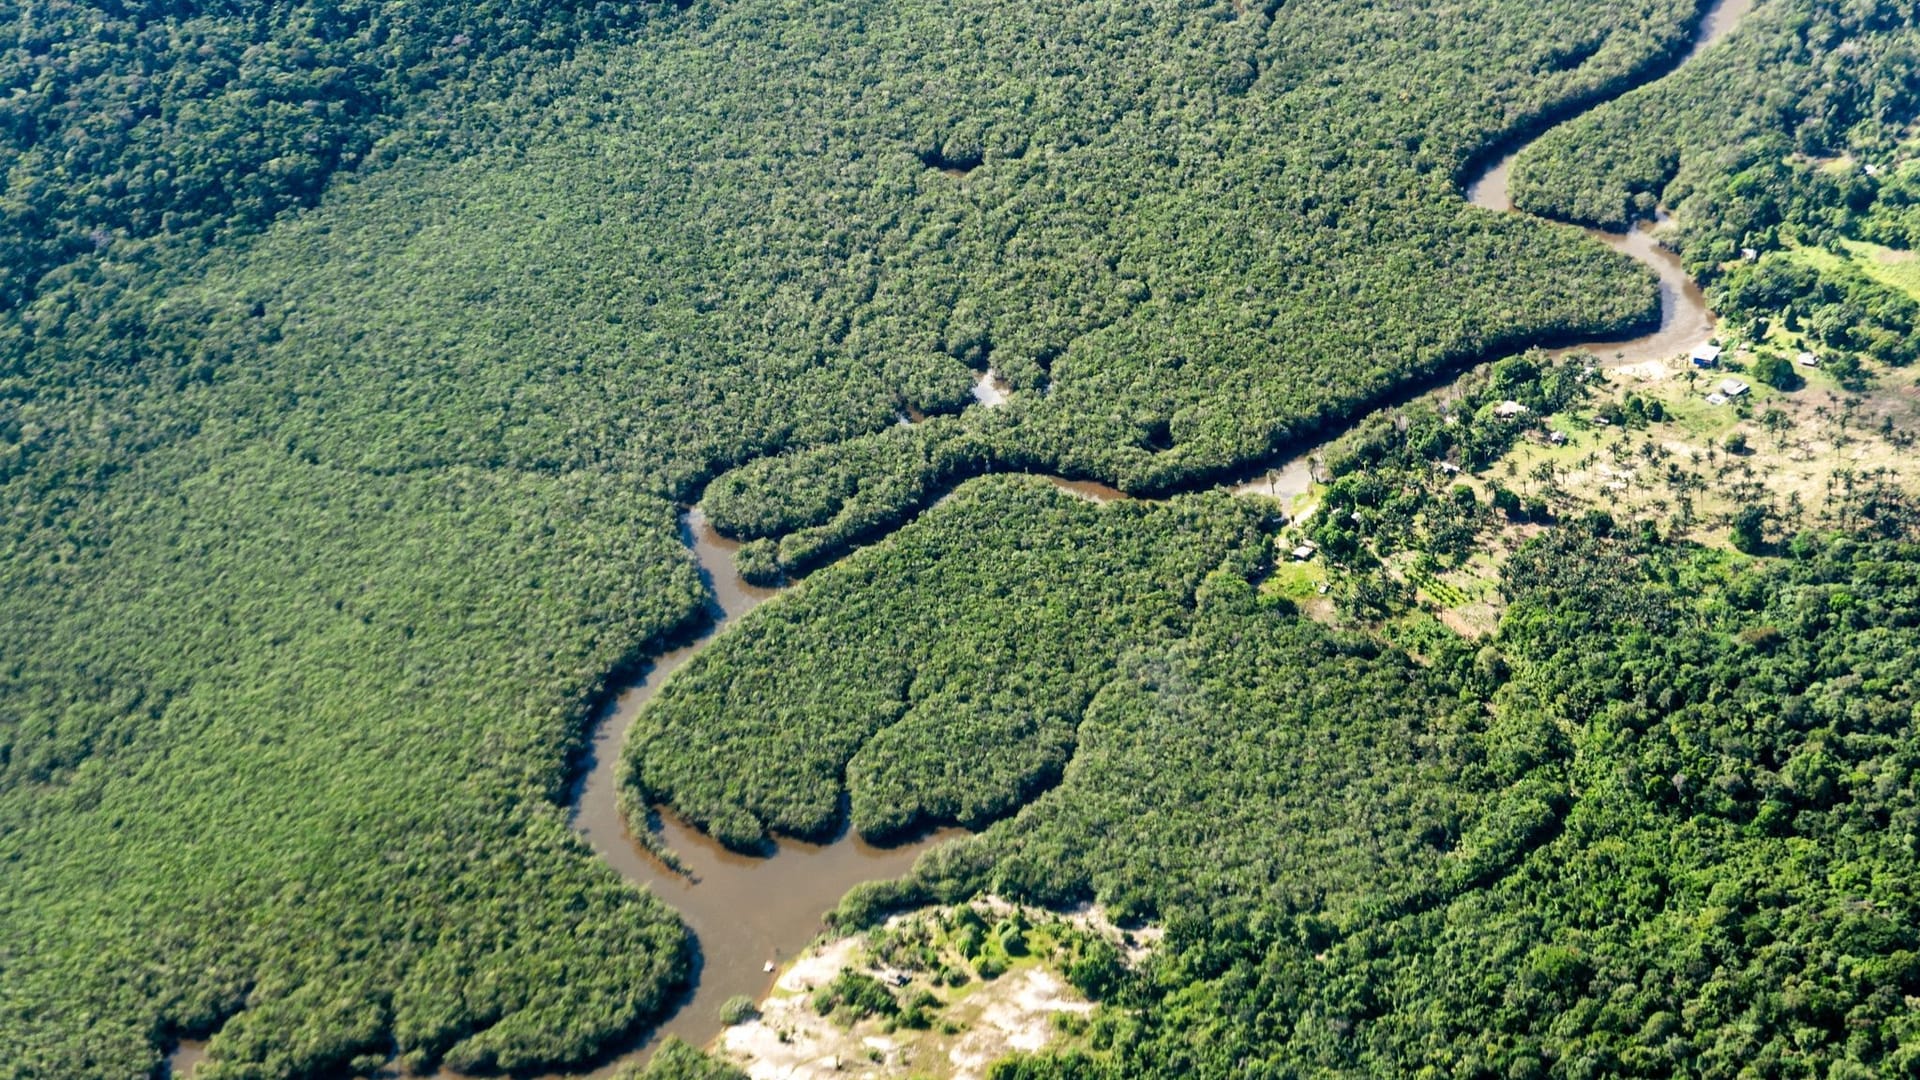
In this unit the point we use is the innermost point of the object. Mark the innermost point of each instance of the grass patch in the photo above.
(1888, 266)
(1295, 581)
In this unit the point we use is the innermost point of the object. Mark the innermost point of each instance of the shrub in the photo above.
(1777, 371)
(738, 1009)
(852, 996)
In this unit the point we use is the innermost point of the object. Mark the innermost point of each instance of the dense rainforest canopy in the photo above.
(354, 358)
(1663, 823)
(127, 123)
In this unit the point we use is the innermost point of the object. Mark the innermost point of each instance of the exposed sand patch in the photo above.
(1646, 371)
(786, 1042)
(1135, 945)
(816, 967)
(1020, 1020)
(968, 1026)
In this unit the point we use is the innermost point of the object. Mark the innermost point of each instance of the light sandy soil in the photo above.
(1811, 456)
(1680, 473)
(978, 1024)
(1645, 371)
(789, 1040)
(1471, 620)
(1019, 1017)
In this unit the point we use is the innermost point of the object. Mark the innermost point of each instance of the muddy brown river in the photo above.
(1684, 318)
(747, 912)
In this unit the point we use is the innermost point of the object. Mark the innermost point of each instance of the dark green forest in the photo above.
(1802, 82)
(358, 360)
(943, 679)
(129, 125)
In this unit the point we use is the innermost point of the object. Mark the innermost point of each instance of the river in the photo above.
(1685, 320)
(746, 911)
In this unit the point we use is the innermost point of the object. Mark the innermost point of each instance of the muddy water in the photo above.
(745, 911)
(596, 812)
(1684, 318)
(1090, 490)
(1718, 22)
(185, 1058)
(988, 389)
(1286, 483)
(749, 912)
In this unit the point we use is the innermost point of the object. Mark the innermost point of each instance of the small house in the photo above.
(1749, 255)
(1732, 388)
(1807, 359)
(1557, 438)
(1302, 553)
(1507, 410)
(1705, 356)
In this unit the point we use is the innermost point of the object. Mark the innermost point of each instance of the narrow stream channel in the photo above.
(1684, 318)
(746, 911)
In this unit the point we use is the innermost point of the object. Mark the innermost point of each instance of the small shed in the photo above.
(1302, 553)
(1749, 254)
(1507, 410)
(1705, 356)
(1557, 438)
(1732, 388)
(1807, 359)
(1716, 398)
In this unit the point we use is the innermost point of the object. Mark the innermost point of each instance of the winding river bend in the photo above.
(1684, 318)
(747, 912)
